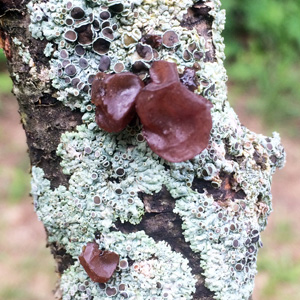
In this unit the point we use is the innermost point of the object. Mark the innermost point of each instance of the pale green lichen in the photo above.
(108, 171)
(48, 49)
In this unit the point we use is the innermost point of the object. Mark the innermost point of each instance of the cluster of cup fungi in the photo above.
(176, 121)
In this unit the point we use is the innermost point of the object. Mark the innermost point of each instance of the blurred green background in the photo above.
(262, 48)
(262, 40)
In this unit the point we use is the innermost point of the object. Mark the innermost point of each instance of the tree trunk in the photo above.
(201, 218)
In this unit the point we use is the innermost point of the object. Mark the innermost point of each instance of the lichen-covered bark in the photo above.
(44, 119)
(212, 207)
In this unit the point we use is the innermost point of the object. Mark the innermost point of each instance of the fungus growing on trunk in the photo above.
(99, 265)
(176, 122)
(114, 97)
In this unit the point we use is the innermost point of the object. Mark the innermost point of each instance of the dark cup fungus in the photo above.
(176, 122)
(114, 97)
(99, 265)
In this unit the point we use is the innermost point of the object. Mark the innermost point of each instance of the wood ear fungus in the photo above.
(99, 265)
(114, 97)
(176, 121)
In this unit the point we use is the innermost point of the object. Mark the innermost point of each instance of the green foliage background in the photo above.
(262, 40)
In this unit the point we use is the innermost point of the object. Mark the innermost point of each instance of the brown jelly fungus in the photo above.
(99, 265)
(176, 122)
(114, 97)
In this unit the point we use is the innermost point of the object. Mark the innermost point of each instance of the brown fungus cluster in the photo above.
(99, 265)
(176, 121)
(114, 97)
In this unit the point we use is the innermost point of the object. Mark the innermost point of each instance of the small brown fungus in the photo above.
(176, 122)
(99, 265)
(114, 97)
(101, 46)
(170, 39)
(77, 13)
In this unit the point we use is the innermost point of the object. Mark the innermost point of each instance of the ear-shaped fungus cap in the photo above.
(176, 122)
(99, 265)
(114, 97)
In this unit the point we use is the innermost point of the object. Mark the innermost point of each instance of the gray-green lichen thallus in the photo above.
(222, 195)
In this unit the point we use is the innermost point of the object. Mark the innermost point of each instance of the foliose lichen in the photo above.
(222, 195)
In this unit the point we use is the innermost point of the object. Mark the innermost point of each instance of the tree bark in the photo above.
(45, 119)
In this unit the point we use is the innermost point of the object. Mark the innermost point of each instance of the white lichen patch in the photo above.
(222, 195)
(157, 272)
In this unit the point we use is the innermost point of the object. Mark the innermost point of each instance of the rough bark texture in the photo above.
(44, 119)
